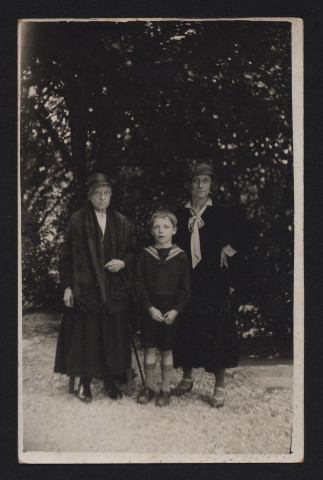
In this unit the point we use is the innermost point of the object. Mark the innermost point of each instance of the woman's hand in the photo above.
(156, 314)
(224, 260)
(227, 251)
(115, 265)
(170, 316)
(68, 298)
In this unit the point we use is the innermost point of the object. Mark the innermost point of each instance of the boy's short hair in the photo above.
(164, 213)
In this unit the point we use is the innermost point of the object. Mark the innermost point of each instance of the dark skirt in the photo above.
(158, 334)
(207, 334)
(89, 344)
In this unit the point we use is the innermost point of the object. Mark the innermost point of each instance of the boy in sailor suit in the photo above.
(163, 289)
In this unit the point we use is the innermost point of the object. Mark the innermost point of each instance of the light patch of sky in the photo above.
(32, 92)
(49, 237)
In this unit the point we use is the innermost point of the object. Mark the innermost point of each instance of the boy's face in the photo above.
(163, 231)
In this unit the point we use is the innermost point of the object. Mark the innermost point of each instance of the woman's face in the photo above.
(100, 198)
(201, 187)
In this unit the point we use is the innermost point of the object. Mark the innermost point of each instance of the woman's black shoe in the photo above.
(184, 386)
(113, 391)
(83, 393)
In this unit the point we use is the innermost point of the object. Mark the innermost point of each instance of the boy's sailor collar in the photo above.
(174, 251)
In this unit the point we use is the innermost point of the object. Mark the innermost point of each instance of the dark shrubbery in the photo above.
(142, 101)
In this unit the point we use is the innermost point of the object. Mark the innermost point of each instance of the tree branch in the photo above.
(40, 114)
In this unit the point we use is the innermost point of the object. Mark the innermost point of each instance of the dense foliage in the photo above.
(142, 101)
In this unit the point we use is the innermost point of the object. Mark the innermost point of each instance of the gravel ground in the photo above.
(256, 419)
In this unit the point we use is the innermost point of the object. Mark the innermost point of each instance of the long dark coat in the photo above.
(207, 335)
(94, 335)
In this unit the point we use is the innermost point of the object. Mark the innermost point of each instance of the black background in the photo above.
(312, 14)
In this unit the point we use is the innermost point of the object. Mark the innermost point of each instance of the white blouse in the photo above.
(102, 219)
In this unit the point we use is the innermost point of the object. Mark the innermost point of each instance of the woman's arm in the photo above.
(127, 260)
(65, 263)
(65, 268)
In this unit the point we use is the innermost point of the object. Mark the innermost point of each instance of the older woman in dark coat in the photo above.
(94, 338)
(210, 234)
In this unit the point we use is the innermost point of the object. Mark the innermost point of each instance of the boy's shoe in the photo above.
(162, 399)
(145, 396)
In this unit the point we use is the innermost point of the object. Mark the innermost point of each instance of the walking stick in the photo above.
(137, 358)
(125, 280)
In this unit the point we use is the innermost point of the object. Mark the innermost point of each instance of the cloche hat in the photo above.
(98, 180)
(198, 169)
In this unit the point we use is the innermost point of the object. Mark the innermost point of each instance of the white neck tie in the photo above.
(195, 222)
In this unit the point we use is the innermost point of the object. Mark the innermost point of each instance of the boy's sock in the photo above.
(149, 374)
(166, 371)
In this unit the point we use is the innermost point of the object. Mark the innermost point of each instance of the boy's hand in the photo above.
(155, 314)
(170, 316)
(115, 265)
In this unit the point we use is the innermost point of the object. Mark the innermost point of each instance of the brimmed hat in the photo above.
(198, 169)
(98, 180)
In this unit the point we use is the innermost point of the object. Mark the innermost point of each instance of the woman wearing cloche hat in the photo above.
(94, 336)
(210, 234)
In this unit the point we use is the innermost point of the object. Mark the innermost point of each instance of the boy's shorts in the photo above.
(158, 334)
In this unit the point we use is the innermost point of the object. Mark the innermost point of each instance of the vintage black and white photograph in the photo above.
(160, 223)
